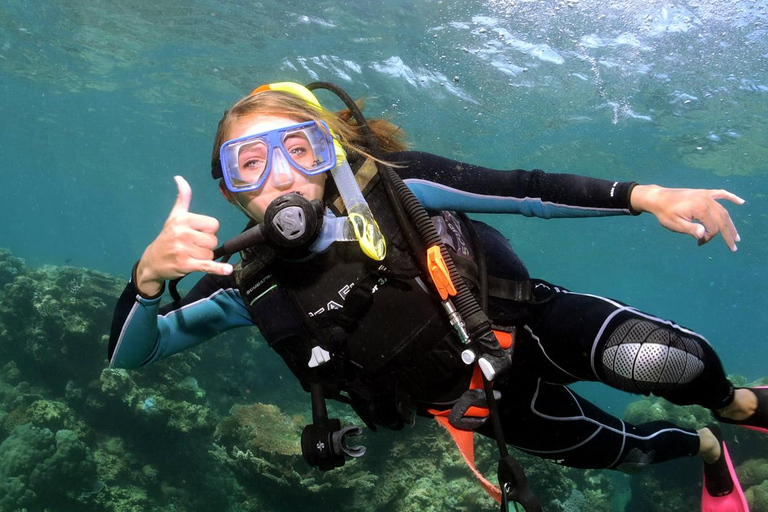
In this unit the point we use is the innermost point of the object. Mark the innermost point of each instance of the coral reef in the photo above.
(753, 472)
(55, 394)
(262, 428)
(49, 318)
(40, 469)
(757, 496)
(262, 446)
(651, 409)
(152, 406)
(10, 267)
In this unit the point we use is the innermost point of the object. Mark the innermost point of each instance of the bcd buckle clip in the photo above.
(470, 412)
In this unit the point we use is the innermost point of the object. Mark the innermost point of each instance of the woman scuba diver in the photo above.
(387, 237)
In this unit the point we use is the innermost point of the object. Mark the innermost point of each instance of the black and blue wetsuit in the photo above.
(563, 336)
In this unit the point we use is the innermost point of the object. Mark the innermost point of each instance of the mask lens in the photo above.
(307, 149)
(251, 162)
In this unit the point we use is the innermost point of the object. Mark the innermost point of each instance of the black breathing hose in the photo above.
(248, 238)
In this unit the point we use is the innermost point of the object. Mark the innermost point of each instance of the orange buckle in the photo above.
(439, 272)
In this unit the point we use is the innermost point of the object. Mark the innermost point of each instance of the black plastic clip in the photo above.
(470, 398)
(324, 441)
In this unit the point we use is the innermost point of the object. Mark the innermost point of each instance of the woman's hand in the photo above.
(692, 211)
(185, 245)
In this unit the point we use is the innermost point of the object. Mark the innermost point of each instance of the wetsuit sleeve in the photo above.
(143, 332)
(444, 184)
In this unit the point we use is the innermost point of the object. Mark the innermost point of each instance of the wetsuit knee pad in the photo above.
(634, 461)
(645, 357)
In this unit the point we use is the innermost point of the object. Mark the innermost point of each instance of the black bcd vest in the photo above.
(392, 348)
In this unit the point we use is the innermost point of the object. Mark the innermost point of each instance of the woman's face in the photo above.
(282, 179)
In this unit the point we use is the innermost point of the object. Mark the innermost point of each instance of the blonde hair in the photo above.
(278, 103)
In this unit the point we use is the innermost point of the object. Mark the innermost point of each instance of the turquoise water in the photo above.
(103, 102)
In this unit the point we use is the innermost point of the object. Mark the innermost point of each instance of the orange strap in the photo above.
(464, 439)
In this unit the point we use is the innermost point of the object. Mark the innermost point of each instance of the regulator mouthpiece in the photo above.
(292, 222)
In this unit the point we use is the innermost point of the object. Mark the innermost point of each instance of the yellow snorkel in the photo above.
(366, 228)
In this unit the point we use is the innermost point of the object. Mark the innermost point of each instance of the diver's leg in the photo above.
(553, 422)
(583, 337)
(587, 337)
(745, 404)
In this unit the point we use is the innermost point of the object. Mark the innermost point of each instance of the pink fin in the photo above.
(733, 502)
